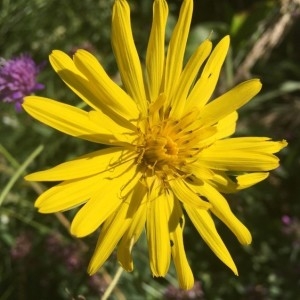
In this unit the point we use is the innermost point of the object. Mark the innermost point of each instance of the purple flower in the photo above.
(286, 220)
(22, 246)
(18, 79)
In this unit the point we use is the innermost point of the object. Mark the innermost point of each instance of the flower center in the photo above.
(160, 150)
(166, 145)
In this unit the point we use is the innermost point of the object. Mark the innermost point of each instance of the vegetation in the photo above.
(41, 260)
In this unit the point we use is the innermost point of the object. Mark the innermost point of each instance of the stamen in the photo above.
(167, 143)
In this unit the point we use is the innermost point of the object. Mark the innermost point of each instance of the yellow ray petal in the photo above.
(123, 131)
(205, 136)
(176, 48)
(86, 165)
(64, 66)
(237, 160)
(229, 102)
(138, 213)
(222, 210)
(228, 184)
(222, 182)
(66, 118)
(187, 77)
(242, 154)
(113, 98)
(206, 84)
(257, 144)
(186, 195)
(126, 54)
(183, 269)
(111, 233)
(226, 126)
(155, 56)
(158, 215)
(102, 204)
(130, 183)
(206, 228)
(198, 170)
(247, 180)
(67, 195)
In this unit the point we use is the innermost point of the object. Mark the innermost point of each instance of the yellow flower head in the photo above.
(168, 151)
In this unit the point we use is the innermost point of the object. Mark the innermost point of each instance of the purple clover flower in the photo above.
(18, 79)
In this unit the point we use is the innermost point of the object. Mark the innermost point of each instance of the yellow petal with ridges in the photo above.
(238, 160)
(66, 118)
(130, 238)
(157, 228)
(86, 165)
(186, 195)
(222, 210)
(183, 269)
(137, 211)
(231, 184)
(257, 144)
(74, 79)
(126, 55)
(67, 195)
(197, 170)
(123, 131)
(229, 102)
(247, 180)
(206, 136)
(206, 84)
(242, 154)
(114, 101)
(206, 228)
(111, 232)
(226, 126)
(155, 57)
(187, 78)
(175, 53)
(223, 183)
(102, 204)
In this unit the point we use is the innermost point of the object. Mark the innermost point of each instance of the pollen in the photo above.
(166, 144)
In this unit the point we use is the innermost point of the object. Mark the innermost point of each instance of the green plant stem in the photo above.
(19, 172)
(9, 157)
(112, 284)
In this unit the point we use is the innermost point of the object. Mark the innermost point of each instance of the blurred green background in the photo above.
(38, 257)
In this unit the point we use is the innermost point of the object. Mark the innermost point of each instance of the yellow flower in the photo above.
(168, 151)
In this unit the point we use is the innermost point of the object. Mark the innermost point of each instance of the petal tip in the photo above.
(283, 143)
(29, 177)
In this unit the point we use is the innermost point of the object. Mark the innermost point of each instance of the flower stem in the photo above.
(19, 172)
(112, 284)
